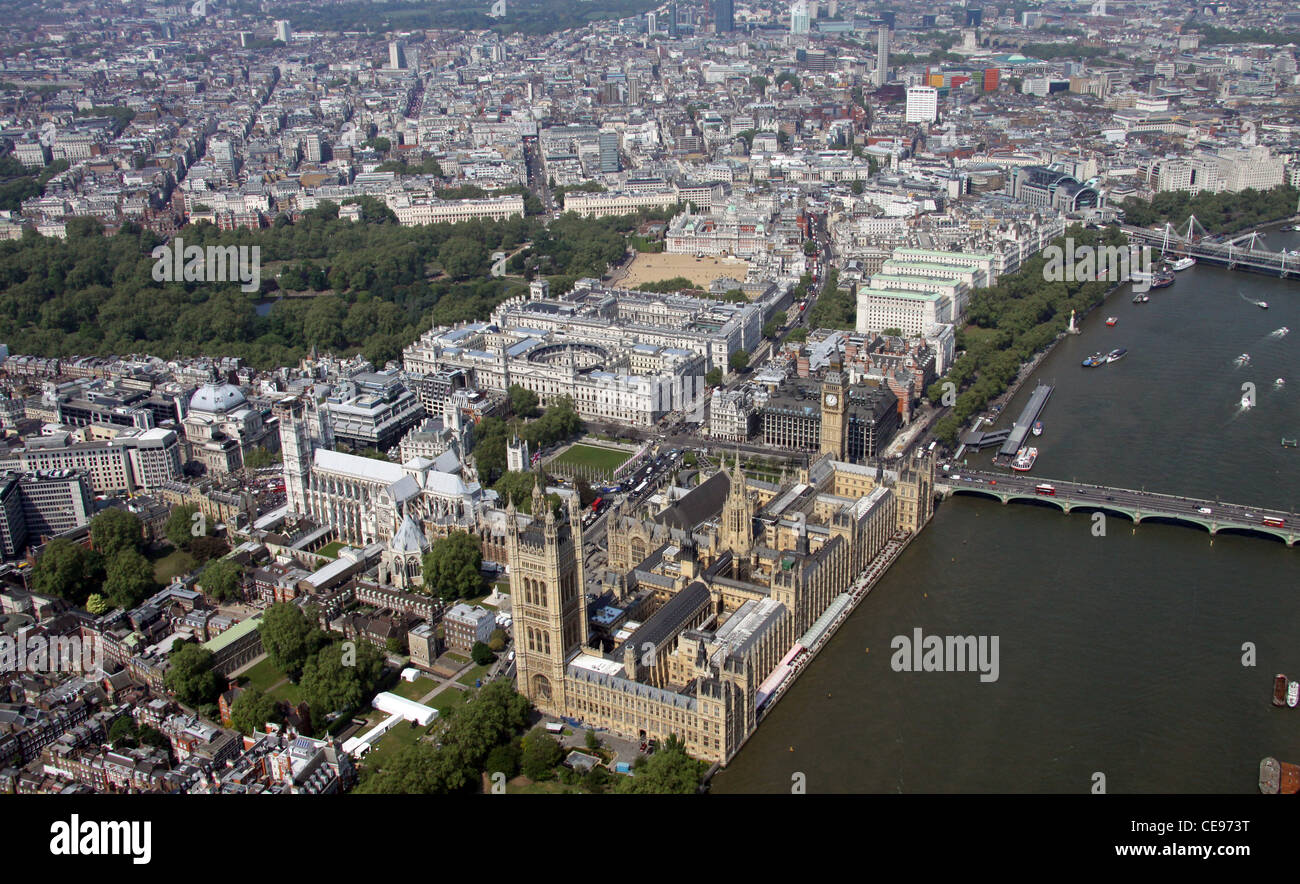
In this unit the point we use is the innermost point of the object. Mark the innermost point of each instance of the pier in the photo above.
(1139, 506)
(1020, 431)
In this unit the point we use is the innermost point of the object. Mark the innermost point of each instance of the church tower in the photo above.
(737, 529)
(834, 415)
(295, 451)
(548, 594)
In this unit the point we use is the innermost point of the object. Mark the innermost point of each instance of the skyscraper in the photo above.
(609, 161)
(800, 22)
(397, 55)
(282, 31)
(881, 75)
(724, 16)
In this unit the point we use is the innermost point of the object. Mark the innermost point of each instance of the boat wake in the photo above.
(1263, 304)
(1280, 332)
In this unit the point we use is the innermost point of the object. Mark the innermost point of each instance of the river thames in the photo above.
(1121, 654)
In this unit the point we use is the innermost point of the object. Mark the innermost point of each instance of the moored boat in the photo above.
(1270, 776)
(1279, 689)
(1293, 694)
(1183, 263)
(1116, 355)
(1094, 360)
(1163, 279)
(1024, 461)
(1038, 428)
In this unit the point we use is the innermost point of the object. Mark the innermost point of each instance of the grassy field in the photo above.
(597, 457)
(449, 698)
(262, 676)
(173, 565)
(331, 549)
(402, 735)
(413, 690)
(468, 678)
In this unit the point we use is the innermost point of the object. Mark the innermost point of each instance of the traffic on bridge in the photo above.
(1214, 516)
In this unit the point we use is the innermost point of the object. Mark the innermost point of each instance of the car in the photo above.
(1204, 510)
(993, 481)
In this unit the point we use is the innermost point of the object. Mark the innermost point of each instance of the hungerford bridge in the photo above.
(1243, 253)
(1212, 515)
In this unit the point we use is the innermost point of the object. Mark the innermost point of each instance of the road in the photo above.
(1077, 494)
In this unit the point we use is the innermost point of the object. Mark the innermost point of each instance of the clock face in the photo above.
(832, 400)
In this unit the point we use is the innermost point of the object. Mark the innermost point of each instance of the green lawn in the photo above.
(447, 699)
(468, 678)
(402, 735)
(597, 457)
(413, 690)
(331, 549)
(261, 676)
(172, 565)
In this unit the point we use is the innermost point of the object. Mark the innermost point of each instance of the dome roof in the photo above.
(216, 398)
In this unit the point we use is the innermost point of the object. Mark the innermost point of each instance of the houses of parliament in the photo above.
(711, 592)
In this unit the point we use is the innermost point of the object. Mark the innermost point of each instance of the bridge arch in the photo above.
(1174, 519)
(1086, 507)
(1032, 499)
(979, 492)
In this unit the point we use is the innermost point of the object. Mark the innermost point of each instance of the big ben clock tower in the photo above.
(834, 409)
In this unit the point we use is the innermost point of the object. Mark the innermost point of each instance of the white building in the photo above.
(800, 20)
(922, 104)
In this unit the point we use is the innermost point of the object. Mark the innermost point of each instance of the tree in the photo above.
(856, 186)
(517, 486)
(184, 524)
(97, 604)
(772, 328)
(122, 732)
(540, 756)
(462, 257)
(150, 736)
(129, 579)
(208, 547)
(340, 675)
(497, 641)
(668, 771)
(503, 759)
(451, 566)
(223, 579)
(738, 360)
(592, 741)
(797, 335)
(481, 654)
(115, 529)
(260, 457)
(288, 637)
(523, 402)
(67, 570)
(251, 711)
(713, 377)
(190, 676)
